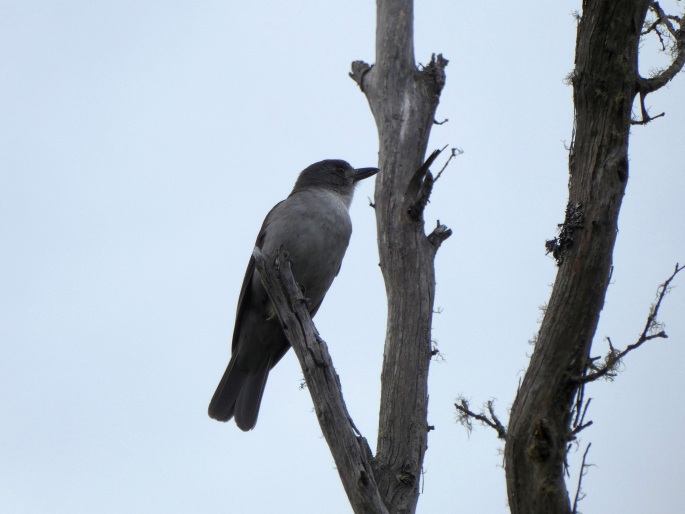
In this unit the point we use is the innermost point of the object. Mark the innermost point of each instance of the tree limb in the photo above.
(652, 330)
(465, 414)
(649, 85)
(439, 234)
(351, 452)
(420, 188)
(456, 152)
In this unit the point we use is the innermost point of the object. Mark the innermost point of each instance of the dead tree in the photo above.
(550, 407)
(548, 411)
(403, 100)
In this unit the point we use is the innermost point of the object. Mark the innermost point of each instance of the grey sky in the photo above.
(141, 145)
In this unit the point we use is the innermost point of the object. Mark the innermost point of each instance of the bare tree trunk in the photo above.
(605, 82)
(403, 101)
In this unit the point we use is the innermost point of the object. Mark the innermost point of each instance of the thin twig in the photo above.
(579, 495)
(580, 425)
(646, 118)
(464, 416)
(581, 406)
(456, 152)
(665, 19)
(652, 330)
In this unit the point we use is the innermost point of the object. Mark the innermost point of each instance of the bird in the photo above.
(313, 225)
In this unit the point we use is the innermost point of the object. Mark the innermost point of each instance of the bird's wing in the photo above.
(245, 289)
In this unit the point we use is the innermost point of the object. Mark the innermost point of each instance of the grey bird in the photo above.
(313, 225)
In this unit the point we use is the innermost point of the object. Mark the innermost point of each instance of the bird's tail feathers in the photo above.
(250, 398)
(239, 394)
(223, 402)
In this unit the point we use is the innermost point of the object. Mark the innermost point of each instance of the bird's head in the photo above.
(332, 174)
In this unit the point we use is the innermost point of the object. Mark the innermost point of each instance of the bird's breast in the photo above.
(315, 229)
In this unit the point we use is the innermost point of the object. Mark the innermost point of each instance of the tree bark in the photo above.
(605, 82)
(403, 100)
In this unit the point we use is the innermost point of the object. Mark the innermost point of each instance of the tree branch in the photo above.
(580, 410)
(465, 414)
(420, 187)
(456, 152)
(351, 452)
(652, 330)
(649, 85)
(583, 471)
(440, 233)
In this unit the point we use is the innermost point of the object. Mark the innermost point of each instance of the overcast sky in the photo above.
(141, 145)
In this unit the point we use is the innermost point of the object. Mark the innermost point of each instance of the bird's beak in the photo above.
(362, 173)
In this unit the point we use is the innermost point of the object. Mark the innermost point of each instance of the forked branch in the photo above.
(674, 34)
(465, 416)
(653, 329)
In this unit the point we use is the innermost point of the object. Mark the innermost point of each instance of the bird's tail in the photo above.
(239, 394)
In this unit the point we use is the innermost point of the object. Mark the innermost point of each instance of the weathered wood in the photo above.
(403, 100)
(350, 450)
(605, 84)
